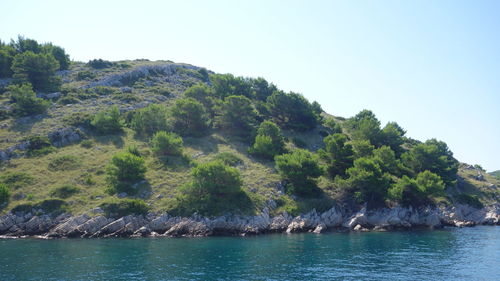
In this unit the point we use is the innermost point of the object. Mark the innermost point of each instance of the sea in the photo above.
(445, 254)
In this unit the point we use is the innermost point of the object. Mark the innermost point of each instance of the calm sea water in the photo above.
(450, 254)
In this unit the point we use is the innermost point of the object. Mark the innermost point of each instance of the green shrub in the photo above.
(298, 142)
(133, 149)
(215, 189)
(99, 63)
(49, 206)
(87, 143)
(124, 207)
(68, 100)
(64, 191)
(189, 118)
(16, 180)
(300, 168)
(469, 199)
(85, 75)
(292, 111)
(103, 91)
(338, 154)
(39, 145)
(124, 170)
(64, 163)
(237, 116)
(4, 194)
(333, 126)
(166, 144)
(269, 141)
(37, 69)
(79, 119)
(107, 122)
(149, 120)
(228, 158)
(25, 101)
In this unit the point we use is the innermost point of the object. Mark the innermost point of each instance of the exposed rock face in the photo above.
(171, 226)
(64, 136)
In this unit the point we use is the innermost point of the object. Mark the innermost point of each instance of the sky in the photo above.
(431, 66)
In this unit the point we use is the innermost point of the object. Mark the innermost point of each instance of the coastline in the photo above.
(164, 225)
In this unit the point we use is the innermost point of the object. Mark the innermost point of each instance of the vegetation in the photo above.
(215, 188)
(166, 144)
(124, 207)
(4, 194)
(25, 101)
(300, 168)
(124, 170)
(149, 120)
(269, 141)
(107, 122)
(241, 136)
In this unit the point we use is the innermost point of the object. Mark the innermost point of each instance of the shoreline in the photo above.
(27, 225)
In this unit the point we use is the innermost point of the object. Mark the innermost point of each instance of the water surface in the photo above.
(450, 254)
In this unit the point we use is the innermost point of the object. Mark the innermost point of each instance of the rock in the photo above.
(122, 195)
(93, 225)
(142, 232)
(69, 227)
(64, 137)
(320, 228)
(188, 228)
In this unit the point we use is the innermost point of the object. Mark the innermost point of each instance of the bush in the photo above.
(64, 191)
(237, 116)
(107, 122)
(87, 143)
(228, 158)
(49, 206)
(85, 75)
(469, 199)
(99, 63)
(149, 120)
(16, 180)
(59, 54)
(365, 126)
(215, 189)
(39, 145)
(189, 118)
(25, 101)
(166, 144)
(68, 100)
(4, 194)
(300, 168)
(37, 69)
(124, 207)
(292, 111)
(269, 141)
(124, 170)
(338, 154)
(79, 119)
(64, 163)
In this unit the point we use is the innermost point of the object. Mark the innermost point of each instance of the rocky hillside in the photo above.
(145, 138)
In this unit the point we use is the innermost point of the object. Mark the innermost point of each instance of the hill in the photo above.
(157, 136)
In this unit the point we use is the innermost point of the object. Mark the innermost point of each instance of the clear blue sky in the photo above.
(432, 66)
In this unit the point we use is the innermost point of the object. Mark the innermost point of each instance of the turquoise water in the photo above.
(451, 254)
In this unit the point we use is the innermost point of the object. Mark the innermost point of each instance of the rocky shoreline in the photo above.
(97, 225)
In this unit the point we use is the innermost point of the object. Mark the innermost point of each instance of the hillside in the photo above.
(62, 157)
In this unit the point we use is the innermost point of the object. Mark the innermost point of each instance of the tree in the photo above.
(386, 159)
(166, 144)
(25, 101)
(203, 94)
(37, 69)
(392, 135)
(215, 188)
(333, 126)
(237, 116)
(262, 88)
(26, 45)
(300, 168)
(367, 178)
(59, 54)
(337, 153)
(418, 191)
(7, 54)
(4, 194)
(150, 119)
(435, 156)
(365, 126)
(189, 118)
(107, 122)
(124, 170)
(362, 148)
(226, 85)
(269, 141)
(291, 111)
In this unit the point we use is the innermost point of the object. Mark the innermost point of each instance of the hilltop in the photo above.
(132, 137)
